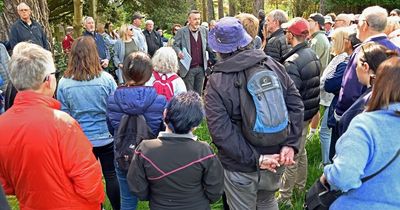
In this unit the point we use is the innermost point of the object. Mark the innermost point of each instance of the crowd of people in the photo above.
(128, 103)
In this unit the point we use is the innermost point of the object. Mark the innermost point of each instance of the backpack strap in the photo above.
(156, 75)
(172, 78)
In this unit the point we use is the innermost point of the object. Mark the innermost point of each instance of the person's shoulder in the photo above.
(64, 119)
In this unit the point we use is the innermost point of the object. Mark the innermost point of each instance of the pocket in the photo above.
(241, 181)
(270, 181)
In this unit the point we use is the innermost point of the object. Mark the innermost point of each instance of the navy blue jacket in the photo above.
(332, 85)
(22, 32)
(100, 44)
(136, 100)
(351, 87)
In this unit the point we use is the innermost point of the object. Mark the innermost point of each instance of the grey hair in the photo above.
(165, 60)
(86, 18)
(279, 15)
(376, 17)
(149, 22)
(29, 66)
(22, 4)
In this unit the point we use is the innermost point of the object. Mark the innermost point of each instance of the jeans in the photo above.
(106, 155)
(128, 200)
(194, 79)
(325, 137)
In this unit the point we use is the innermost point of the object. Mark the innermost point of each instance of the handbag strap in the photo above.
(376, 173)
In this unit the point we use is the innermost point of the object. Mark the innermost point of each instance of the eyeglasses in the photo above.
(47, 76)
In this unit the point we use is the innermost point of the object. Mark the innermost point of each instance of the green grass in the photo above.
(314, 172)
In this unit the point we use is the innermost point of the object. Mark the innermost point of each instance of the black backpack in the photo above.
(265, 118)
(131, 131)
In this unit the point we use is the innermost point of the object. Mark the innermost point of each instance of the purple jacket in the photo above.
(351, 88)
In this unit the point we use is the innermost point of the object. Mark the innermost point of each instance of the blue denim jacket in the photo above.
(86, 101)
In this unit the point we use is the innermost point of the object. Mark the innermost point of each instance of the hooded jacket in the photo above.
(45, 158)
(140, 100)
(304, 67)
(222, 101)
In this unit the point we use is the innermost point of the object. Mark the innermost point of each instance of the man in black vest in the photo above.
(193, 39)
(153, 39)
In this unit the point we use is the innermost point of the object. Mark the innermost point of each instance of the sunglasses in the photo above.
(48, 76)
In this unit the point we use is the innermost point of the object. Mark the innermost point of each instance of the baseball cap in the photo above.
(328, 19)
(137, 15)
(318, 18)
(297, 26)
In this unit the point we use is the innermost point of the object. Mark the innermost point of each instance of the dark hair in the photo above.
(374, 54)
(173, 28)
(397, 11)
(83, 63)
(354, 40)
(137, 68)
(184, 112)
(193, 12)
(387, 85)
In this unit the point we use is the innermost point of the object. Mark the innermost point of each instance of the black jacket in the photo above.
(153, 41)
(277, 46)
(222, 102)
(22, 32)
(303, 66)
(176, 172)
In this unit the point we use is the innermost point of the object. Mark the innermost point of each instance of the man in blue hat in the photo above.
(252, 172)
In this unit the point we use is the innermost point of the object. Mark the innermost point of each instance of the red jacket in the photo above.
(45, 158)
(67, 43)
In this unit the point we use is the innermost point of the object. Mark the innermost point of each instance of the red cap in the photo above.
(297, 26)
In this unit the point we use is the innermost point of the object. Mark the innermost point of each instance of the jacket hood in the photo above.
(134, 100)
(240, 61)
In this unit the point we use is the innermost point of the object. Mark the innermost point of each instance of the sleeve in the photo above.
(117, 51)
(213, 179)
(179, 86)
(61, 97)
(226, 135)
(333, 82)
(352, 153)
(108, 56)
(44, 39)
(136, 177)
(295, 107)
(13, 36)
(3, 201)
(178, 41)
(8, 189)
(294, 74)
(80, 164)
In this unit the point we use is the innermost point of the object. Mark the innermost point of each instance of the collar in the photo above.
(31, 98)
(277, 32)
(394, 107)
(381, 35)
(189, 135)
(316, 33)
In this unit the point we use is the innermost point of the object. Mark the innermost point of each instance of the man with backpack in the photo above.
(254, 114)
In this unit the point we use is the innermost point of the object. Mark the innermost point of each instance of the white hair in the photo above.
(29, 65)
(165, 60)
(376, 17)
(279, 15)
(149, 22)
(87, 18)
(21, 5)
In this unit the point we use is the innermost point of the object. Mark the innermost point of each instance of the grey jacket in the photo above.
(119, 52)
(182, 40)
(222, 103)
(4, 57)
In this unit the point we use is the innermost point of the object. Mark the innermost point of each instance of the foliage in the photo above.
(60, 59)
(356, 6)
(1, 5)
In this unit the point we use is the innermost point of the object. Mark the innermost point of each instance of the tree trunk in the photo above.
(40, 13)
(204, 10)
(322, 7)
(257, 5)
(78, 13)
(210, 8)
(220, 9)
(232, 7)
(192, 4)
(93, 10)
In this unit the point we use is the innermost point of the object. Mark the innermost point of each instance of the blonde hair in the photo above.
(165, 60)
(123, 32)
(339, 35)
(249, 22)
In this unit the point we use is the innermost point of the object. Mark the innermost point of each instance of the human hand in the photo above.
(104, 63)
(287, 156)
(120, 65)
(323, 180)
(180, 55)
(269, 162)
